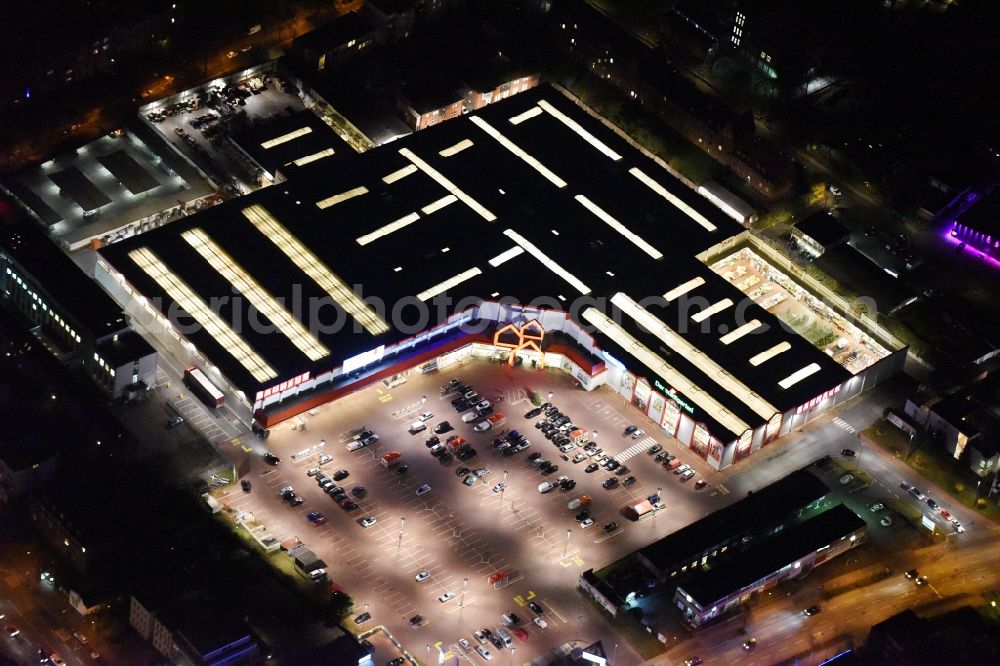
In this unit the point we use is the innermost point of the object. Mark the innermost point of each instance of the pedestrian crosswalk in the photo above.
(634, 449)
(843, 425)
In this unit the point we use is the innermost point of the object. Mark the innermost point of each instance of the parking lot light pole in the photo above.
(566, 549)
(659, 501)
(402, 522)
(512, 651)
(503, 486)
(465, 586)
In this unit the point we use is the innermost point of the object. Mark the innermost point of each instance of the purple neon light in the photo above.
(952, 238)
(971, 235)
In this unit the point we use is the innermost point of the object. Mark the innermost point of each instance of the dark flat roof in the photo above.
(129, 346)
(984, 215)
(320, 138)
(78, 186)
(428, 92)
(764, 559)
(334, 34)
(45, 212)
(766, 507)
(441, 244)
(129, 172)
(75, 292)
(823, 228)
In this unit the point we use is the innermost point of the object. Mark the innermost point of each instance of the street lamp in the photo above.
(658, 501)
(402, 522)
(512, 651)
(503, 486)
(465, 586)
(566, 549)
(613, 655)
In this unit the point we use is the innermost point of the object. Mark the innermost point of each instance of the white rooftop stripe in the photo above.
(284, 138)
(447, 184)
(448, 284)
(718, 306)
(310, 264)
(656, 363)
(388, 229)
(312, 158)
(506, 256)
(576, 127)
(768, 354)
(547, 261)
(456, 149)
(619, 227)
(678, 203)
(684, 288)
(738, 333)
(343, 196)
(258, 297)
(521, 117)
(439, 204)
(700, 359)
(517, 150)
(219, 329)
(399, 174)
(799, 375)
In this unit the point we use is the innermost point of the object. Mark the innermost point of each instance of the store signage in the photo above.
(673, 396)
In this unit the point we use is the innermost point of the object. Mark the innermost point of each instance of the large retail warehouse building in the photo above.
(529, 209)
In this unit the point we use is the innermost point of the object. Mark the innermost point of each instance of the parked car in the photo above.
(367, 521)
(245, 485)
(610, 483)
(849, 453)
(442, 427)
(846, 479)
(423, 490)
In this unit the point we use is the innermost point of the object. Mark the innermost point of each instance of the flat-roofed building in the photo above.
(794, 552)
(72, 313)
(527, 210)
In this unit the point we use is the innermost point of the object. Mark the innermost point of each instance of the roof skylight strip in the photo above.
(578, 128)
(684, 288)
(662, 191)
(506, 256)
(456, 149)
(214, 325)
(388, 229)
(700, 359)
(285, 138)
(343, 196)
(437, 177)
(619, 227)
(653, 361)
(712, 309)
(399, 174)
(521, 117)
(439, 204)
(258, 297)
(768, 354)
(448, 284)
(737, 333)
(309, 263)
(799, 375)
(547, 261)
(302, 161)
(517, 150)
